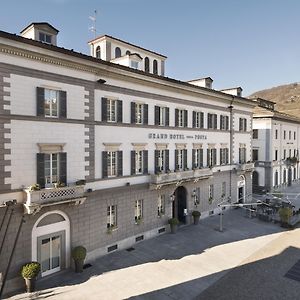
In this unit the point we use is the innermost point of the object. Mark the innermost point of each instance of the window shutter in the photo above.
(185, 158)
(215, 122)
(132, 162)
(104, 110)
(240, 155)
(214, 156)
(145, 162)
(40, 101)
(145, 121)
(104, 164)
(221, 123)
(62, 104)
(208, 157)
(40, 169)
(201, 158)
(176, 117)
(63, 167)
(245, 127)
(208, 120)
(227, 156)
(167, 160)
(156, 169)
(240, 124)
(194, 158)
(133, 120)
(194, 119)
(185, 118)
(227, 122)
(167, 116)
(120, 111)
(176, 159)
(201, 120)
(156, 115)
(120, 163)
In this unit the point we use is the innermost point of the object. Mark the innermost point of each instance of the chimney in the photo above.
(42, 32)
(203, 82)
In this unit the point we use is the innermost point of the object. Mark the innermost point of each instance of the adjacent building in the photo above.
(115, 147)
(275, 147)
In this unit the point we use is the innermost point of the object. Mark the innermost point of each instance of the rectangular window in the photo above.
(198, 120)
(211, 157)
(180, 160)
(161, 160)
(51, 103)
(43, 37)
(139, 113)
(198, 158)
(161, 116)
(212, 121)
(138, 211)
(223, 189)
(111, 216)
(255, 154)
(139, 162)
(276, 134)
(224, 159)
(161, 205)
(111, 110)
(243, 124)
(51, 168)
(255, 134)
(224, 122)
(181, 117)
(242, 155)
(112, 163)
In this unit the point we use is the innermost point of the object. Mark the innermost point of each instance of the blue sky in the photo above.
(253, 44)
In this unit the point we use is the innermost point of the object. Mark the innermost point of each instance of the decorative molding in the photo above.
(51, 148)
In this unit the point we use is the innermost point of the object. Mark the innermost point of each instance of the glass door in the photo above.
(50, 254)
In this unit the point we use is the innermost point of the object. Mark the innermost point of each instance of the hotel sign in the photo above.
(171, 136)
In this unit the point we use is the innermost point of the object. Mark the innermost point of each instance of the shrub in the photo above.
(79, 253)
(34, 187)
(196, 213)
(173, 221)
(30, 270)
(285, 213)
(80, 182)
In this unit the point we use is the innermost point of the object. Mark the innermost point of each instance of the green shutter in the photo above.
(145, 116)
(40, 101)
(120, 163)
(145, 162)
(133, 113)
(40, 169)
(62, 104)
(104, 164)
(167, 116)
(63, 167)
(132, 162)
(119, 111)
(104, 109)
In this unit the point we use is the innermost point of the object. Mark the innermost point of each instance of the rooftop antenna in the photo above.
(93, 19)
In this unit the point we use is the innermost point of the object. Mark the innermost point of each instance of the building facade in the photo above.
(275, 147)
(115, 148)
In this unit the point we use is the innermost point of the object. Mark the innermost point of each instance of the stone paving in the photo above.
(181, 266)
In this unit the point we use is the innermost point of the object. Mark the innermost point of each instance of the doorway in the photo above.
(241, 194)
(179, 204)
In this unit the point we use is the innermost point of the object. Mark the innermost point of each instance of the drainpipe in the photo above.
(231, 147)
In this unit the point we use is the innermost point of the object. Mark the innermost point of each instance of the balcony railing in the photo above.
(35, 199)
(246, 166)
(167, 178)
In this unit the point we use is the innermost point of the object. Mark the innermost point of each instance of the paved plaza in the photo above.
(248, 260)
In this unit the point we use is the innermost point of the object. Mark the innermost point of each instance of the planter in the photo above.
(78, 266)
(173, 228)
(30, 284)
(196, 220)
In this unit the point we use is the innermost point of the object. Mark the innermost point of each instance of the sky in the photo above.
(254, 44)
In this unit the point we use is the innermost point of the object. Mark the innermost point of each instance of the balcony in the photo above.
(246, 167)
(180, 176)
(36, 199)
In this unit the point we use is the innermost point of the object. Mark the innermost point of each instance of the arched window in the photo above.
(154, 66)
(147, 65)
(117, 52)
(98, 52)
(128, 52)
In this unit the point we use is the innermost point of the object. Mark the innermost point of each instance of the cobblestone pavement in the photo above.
(198, 262)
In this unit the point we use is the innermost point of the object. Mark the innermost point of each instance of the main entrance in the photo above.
(179, 204)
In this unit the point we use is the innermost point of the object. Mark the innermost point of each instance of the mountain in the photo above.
(286, 97)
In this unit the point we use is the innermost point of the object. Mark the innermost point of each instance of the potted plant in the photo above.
(285, 214)
(34, 187)
(79, 254)
(196, 216)
(138, 220)
(80, 182)
(173, 224)
(29, 272)
(58, 184)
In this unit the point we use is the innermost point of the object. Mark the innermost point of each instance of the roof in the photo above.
(118, 40)
(96, 61)
(234, 88)
(40, 23)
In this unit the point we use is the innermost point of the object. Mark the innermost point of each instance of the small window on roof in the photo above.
(147, 69)
(128, 52)
(117, 52)
(46, 38)
(154, 66)
(98, 52)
